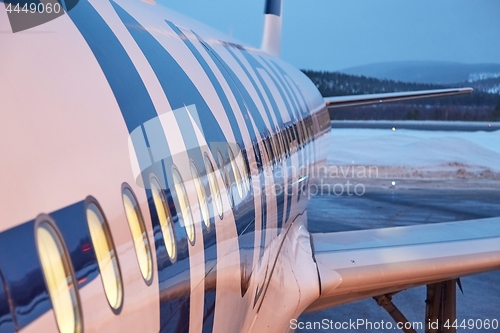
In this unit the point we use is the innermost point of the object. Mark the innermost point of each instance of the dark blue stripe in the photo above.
(268, 93)
(304, 150)
(215, 83)
(273, 7)
(243, 212)
(22, 272)
(294, 116)
(245, 101)
(72, 223)
(278, 180)
(249, 109)
(124, 80)
(137, 109)
(289, 92)
(304, 102)
(209, 310)
(179, 89)
(8, 321)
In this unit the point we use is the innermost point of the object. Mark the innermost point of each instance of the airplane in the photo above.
(154, 178)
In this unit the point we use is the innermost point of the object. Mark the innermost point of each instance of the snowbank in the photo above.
(439, 150)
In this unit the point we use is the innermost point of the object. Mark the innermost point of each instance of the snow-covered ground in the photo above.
(441, 152)
(440, 162)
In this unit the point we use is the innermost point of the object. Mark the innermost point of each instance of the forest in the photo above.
(478, 106)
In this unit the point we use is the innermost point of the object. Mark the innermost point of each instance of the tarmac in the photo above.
(409, 201)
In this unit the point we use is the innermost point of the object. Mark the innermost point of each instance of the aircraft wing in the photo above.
(354, 265)
(355, 100)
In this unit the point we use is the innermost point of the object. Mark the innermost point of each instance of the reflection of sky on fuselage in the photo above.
(332, 35)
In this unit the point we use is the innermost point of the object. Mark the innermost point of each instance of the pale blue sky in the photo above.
(336, 34)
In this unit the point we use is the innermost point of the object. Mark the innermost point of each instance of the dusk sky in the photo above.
(334, 34)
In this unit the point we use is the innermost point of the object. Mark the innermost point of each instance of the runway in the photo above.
(392, 207)
(426, 191)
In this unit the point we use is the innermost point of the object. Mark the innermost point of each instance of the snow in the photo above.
(413, 148)
(482, 76)
(494, 90)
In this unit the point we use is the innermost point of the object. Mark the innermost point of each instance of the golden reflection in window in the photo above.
(139, 233)
(214, 187)
(236, 172)
(106, 255)
(270, 151)
(225, 177)
(222, 169)
(202, 196)
(164, 218)
(59, 278)
(265, 150)
(276, 149)
(281, 145)
(184, 205)
(241, 160)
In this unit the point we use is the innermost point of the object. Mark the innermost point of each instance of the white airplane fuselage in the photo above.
(120, 95)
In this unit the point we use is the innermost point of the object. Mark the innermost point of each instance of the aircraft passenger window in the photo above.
(309, 128)
(294, 132)
(285, 143)
(214, 187)
(273, 149)
(236, 172)
(59, 278)
(279, 139)
(185, 208)
(258, 154)
(139, 233)
(275, 146)
(306, 125)
(202, 196)
(298, 134)
(266, 149)
(246, 174)
(269, 151)
(301, 133)
(105, 252)
(225, 177)
(164, 218)
(289, 139)
(293, 136)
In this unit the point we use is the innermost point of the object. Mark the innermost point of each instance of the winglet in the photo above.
(271, 39)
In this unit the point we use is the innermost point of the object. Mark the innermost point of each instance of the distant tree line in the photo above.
(478, 106)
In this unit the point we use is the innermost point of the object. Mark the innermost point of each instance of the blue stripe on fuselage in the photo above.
(137, 109)
(250, 109)
(273, 7)
(244, 218)
(280, 124)
(21, 268)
